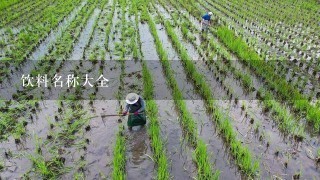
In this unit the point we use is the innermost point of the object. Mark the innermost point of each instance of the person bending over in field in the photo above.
(135, 109)
(206, 21)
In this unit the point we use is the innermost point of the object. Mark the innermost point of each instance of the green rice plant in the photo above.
(201, 154)
(119, 159)
(157, 143)
(53, 15)
(283, 89)
(186, 120)
(1, 165)
(109, 25)
(47, 169)
(243, 159)
(7, 3)
(65, 45)
(79, 176)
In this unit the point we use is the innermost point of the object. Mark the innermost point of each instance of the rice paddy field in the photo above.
(239, 101)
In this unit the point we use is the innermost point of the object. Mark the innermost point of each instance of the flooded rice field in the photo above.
(238, 100)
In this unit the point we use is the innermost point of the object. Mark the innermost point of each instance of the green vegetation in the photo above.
(187, 122)
(157, 143)
(6, 3)
(284, 90)
(119, 159)
(236, 58)
(241, 154)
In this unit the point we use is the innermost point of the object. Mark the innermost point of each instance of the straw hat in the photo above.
(210, 13)
(132, 98)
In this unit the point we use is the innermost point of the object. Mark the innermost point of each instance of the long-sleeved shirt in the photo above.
(206, 17)
(138, 106)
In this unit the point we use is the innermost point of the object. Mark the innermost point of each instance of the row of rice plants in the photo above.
(104, 37)
(241, 154)
(285, 120)
(283, 89)
(64, 46)
(24, 42)
(299, 77)
(119, 158)
(33, 14)
(201, 157)
(282, 43)
(280, 113)
(109, 25)
(93, 56)
(14, 8)
(59, 51)
(119, 151)
(14, 16)
(301, 11)
(157, 144)
(6, 4)
(30, 37)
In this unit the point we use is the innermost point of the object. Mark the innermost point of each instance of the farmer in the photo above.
(135, 108)
(205, 22)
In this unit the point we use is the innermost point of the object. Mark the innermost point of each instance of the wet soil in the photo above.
(19, 164)
(180, 156)
(78, 51)
(102, 136)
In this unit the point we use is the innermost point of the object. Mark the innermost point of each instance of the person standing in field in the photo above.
(135, 108)
(206, 21)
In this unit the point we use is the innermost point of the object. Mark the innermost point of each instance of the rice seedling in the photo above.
(152, 111)
(187, 122)
(254, 32)
(1, 165)
(244, 159)
(119, 159)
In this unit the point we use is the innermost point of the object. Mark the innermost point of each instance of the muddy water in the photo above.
(172, 54)
(180, 155)
(297, 151)
(99, 34)
(7, 87)
(147, 43)
(99, 153)
(206, 128)
(85, 35)
(239, 91)
(271, 164)
(112, 72)
(18, 165)
(271, 136)
(110, 45)
(272, 132)
(115, 34)
(139, 164)
(43, 48)
(192, 52)
(274, 149)
(133, 77)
